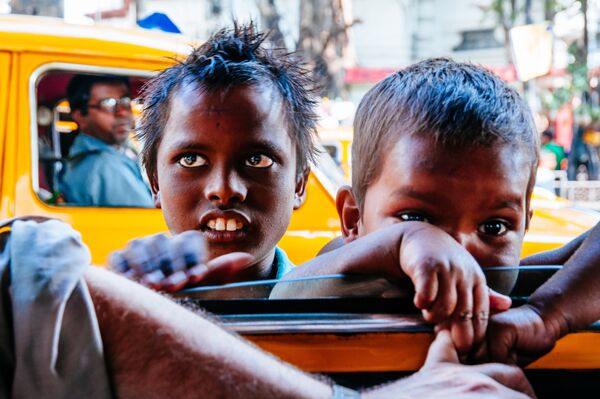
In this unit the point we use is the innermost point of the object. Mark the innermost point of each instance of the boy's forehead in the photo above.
(251, 114)
(247, 106)
(219, 98)
(423, 162)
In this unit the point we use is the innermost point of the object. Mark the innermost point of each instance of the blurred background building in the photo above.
(548, 49)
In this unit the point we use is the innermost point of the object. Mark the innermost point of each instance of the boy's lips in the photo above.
(224, 226)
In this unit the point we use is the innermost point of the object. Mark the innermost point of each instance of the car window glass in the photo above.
(78, 168)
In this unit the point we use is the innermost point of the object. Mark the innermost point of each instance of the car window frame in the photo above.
(65, 67)
(6, 69)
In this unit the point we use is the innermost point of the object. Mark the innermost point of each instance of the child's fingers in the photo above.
(235, 261)
(226, 268)
(426, 288)
(188, 250)
(498, 302)
(175, 282)
(197, 273)
(445, 302)
(153, 279)
(462, 319)
(118, 263)
(137, 257)
(159, 252)
(481, 311)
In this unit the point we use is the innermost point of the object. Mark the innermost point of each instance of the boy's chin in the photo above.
(501, 281)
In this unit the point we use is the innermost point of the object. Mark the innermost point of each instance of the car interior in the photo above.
(57, 130)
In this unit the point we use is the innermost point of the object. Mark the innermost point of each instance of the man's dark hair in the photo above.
(231, 58)
(459, 105)
(80, 88)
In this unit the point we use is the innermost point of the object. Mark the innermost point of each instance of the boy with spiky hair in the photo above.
(443, 166)
(227, 140)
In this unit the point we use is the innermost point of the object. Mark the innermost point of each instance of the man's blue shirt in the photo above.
(96, 174)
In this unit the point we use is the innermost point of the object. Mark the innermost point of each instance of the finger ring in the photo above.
(483, 315)
(466, 315)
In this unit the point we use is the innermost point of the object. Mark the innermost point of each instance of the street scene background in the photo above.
(548, 49)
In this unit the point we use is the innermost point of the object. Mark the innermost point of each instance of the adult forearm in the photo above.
(557, 256)
(155, 348)
(571, 298)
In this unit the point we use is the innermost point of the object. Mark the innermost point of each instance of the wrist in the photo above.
(555, 323)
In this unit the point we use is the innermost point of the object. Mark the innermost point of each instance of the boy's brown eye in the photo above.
(259, 161)
(493, 228)
(192, 161)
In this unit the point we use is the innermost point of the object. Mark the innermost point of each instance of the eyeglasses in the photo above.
(110, 104)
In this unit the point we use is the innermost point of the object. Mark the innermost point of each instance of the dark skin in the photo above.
(566, 302)
(113, 128)
(437, 214)
(199, 359)
(227, 168)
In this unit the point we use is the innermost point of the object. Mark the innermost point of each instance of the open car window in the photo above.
(59, 148)
(334, 304)
(354, 286)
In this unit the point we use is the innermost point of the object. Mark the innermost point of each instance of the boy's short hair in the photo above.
(232, 58)
(458, 104)
(79, 89)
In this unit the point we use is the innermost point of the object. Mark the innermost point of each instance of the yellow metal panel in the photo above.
(9, 73)
(103, 229)
(4, 88)
(35, 42)
(313, 225)
(380, 352)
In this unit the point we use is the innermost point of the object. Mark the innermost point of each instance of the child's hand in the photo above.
(518, 336)
(450, 287)
(170, 263)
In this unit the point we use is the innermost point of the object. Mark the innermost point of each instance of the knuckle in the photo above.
(430, 264)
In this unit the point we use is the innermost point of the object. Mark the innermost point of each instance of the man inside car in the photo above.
(99, 171)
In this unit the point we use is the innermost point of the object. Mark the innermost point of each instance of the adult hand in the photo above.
(169, 263)
(443, 376)
(518, 336)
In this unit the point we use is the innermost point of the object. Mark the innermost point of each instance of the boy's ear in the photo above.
(349, 213)
(156, 199)
(155, 191)
(300, 191)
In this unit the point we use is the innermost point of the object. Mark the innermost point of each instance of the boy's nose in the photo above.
(225, 187)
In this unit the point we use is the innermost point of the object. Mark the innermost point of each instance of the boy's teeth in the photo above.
(231, 224)
(222, 224)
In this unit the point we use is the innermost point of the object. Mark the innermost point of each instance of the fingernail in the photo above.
(176, 278)
(153, 278)
(198, 271)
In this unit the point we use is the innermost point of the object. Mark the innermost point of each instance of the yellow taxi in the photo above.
(38, 57)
